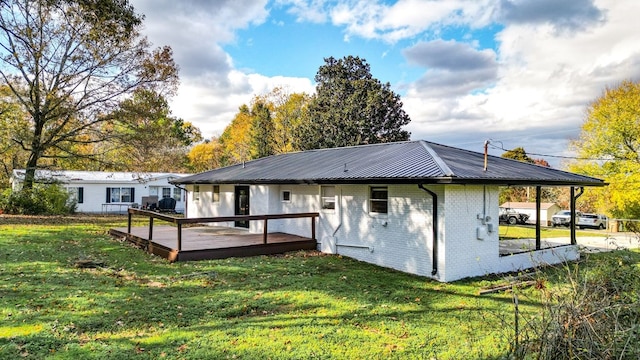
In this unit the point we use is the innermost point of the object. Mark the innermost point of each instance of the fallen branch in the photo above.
(507, 287)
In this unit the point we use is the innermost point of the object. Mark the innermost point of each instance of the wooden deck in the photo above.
(210, 242)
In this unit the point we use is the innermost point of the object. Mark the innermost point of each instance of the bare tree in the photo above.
(69, 63)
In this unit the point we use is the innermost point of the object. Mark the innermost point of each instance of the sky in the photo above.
(517, 73)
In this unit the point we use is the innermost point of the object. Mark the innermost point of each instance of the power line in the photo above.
(559, 156)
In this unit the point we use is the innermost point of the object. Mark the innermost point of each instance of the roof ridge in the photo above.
(437, 159)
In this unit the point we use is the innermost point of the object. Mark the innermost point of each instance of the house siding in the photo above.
(466, 253)
(94, 195)
(402, 238)
(95, 186)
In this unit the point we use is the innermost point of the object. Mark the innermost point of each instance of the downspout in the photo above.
(334, 247)
(339, 209)
(434, 217)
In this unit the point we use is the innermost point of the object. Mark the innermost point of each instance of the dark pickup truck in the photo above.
(512, 217)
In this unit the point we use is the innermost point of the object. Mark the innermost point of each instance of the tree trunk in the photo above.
(30, 174)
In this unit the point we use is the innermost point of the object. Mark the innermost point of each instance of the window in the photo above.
(216, 193)
(177, 194)
(286, 195)
(166, 192)
(328, 197)
(378, 200)
(120, 195)
(76, 194)
(196, 192)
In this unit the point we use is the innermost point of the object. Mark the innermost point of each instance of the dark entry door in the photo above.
(242, 205)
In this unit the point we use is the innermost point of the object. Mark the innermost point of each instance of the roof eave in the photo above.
(433, 180)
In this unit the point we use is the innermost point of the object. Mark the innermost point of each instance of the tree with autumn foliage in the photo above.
(525, 193)
(13, 120)
(205, 156)
(236, 138)
(269, 125)
(609, 144)
(69, 63)
(288, 113)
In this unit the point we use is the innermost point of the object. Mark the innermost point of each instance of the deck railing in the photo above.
(181, 221)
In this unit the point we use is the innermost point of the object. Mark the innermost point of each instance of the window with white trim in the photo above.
(378, 199)
(328, 197)
(120, 195)
(196, 192)
(216, 193)
(177, 194)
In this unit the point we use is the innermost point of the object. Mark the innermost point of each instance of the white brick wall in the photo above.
(400, 239)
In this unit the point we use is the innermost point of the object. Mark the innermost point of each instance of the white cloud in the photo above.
(545, 80)
(313, 11)
(550, 60)
(211, 89)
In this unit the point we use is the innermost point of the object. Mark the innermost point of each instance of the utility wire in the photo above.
(560, 156)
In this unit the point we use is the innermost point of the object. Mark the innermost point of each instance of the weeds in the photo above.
(593, 313)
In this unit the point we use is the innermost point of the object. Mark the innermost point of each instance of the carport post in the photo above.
(572, 221)
(538, 200)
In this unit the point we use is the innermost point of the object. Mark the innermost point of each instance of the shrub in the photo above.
(596, 315)
(49, 199)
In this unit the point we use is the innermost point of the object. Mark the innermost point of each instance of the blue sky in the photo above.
(518, 72)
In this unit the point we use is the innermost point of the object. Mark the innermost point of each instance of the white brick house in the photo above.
(107, 191)
(376, 204)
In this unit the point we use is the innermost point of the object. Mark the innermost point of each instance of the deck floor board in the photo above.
(209, 238)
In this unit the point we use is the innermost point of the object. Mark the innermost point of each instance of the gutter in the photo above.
(434, 217)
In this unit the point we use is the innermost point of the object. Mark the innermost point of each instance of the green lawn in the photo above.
(300, 305)
(529, 232)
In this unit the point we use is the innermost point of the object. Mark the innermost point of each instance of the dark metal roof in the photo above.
(399, 162)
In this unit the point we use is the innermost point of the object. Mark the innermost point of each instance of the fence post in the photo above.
(129, 223)
(313, 228)
(179, 236)
(264, 236)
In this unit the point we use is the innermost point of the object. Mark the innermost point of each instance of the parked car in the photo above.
(563, 218)
(593, 221)
(512, 217)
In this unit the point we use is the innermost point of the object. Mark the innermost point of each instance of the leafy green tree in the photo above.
(518, 154)
(351, 107)
(610, 135)
(261, 130)
(147, 138)
(70, 62)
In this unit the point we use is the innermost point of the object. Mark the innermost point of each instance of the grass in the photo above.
(296, 306)
(529, 232)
